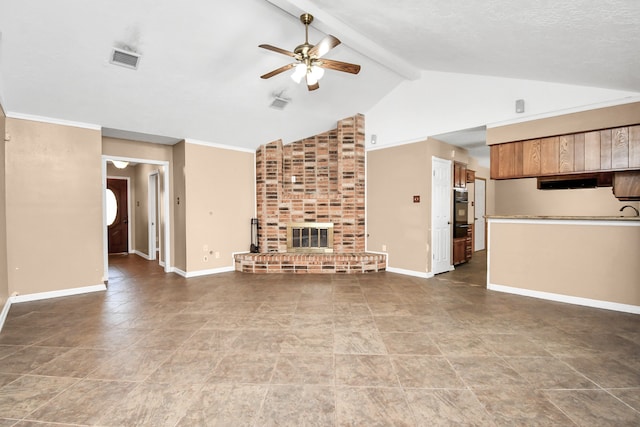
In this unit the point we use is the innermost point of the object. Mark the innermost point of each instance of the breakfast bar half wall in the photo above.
(591, 261)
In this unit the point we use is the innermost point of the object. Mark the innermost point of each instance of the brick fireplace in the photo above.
(320, 179)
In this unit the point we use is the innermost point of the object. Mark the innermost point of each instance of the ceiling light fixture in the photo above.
(120, 164)
(310, 63)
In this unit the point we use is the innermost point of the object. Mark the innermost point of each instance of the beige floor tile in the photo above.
(630, 396)
(29, 359)
(365, 370)
(448, 408)
(372, 407)
(549, 372)
(607, 372)
(426, 372)
(77, 362)
(225, 405)
(152, 405)
(24, 395)
(186, 367)
(593, 408)
(304, 369)
(359, 342)
(410, 343)
(298, 405)
(244, 368)
(521, 407)
(134, 365)
(85, 402)
(486, 372)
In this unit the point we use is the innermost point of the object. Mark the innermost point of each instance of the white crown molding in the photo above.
(51, 120)
(221, 146)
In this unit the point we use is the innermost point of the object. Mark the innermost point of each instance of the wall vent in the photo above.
(125, 58)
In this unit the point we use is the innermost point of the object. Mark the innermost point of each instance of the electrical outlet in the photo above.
(217, 255)
(384, 248)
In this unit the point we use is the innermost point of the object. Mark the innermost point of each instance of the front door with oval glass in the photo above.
(117, 216)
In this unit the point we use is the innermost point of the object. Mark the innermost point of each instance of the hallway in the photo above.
(367, 350)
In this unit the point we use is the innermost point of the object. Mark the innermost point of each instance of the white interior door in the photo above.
(441, 189)
(479, 220)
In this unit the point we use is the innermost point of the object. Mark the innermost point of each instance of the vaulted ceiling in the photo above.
(198, 75)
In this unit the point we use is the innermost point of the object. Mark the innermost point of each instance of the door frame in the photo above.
(154, 181)
(129, 250)
(485, 211)
(165, 205)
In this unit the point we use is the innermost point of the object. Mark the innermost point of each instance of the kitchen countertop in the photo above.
(568, 218)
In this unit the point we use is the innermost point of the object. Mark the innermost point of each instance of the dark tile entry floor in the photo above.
(352, 350)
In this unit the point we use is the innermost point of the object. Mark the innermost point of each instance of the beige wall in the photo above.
(179, 203)
(600, 118)
(394, 176)
(136, 149)
(596, 262)
(54, 207)
(220, 202)
(4, 280)
(521, 197)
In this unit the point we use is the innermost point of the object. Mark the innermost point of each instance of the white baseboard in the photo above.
(587, 302)
(410, 272)
(203, 272)
(4, 313)
(143, 255)
(56, 294)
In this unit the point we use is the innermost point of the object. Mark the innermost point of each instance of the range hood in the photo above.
(566, 182)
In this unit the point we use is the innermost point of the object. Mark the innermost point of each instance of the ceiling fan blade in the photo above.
(278, 71)
(310, 86)
(278, 50)
(324, 46)
(338, 66)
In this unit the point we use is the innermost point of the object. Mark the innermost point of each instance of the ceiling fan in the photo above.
(310, 62)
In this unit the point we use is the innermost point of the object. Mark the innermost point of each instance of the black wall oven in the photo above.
(460, 212)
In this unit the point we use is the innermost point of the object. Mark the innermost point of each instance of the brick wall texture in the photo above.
(318, 179)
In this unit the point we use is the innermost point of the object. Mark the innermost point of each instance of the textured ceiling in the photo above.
(199, 71)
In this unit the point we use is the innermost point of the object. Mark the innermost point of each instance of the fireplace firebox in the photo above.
(310, 237)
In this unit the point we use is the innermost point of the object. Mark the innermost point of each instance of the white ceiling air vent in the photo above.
(125, 58)
(279, 102)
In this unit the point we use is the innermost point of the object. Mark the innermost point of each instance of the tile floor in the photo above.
(358, 350)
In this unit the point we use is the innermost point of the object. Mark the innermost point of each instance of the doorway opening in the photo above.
(156, 212)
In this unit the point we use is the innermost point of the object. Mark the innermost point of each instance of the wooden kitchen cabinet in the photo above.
(626, 185)
(471, 176)
(459, 254)
(468, 244)
(613, 149)
(459, 175)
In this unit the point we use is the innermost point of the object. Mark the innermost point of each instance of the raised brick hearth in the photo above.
(311, 263)
(320, 179)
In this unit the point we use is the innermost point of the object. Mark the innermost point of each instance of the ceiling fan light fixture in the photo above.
(299, 73)
(317, 72)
